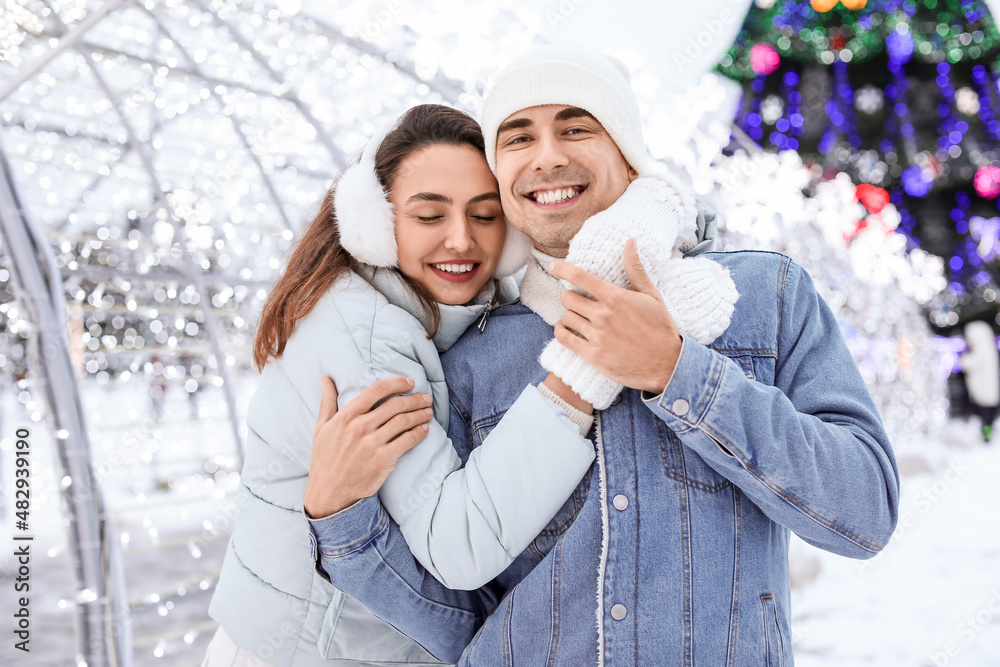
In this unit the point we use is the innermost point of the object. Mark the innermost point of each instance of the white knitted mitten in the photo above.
(699, 295)
(653, 213)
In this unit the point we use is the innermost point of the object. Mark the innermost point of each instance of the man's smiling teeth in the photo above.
(556, 196)
(454, 268)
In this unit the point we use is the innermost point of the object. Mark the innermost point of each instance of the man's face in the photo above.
(557, 166)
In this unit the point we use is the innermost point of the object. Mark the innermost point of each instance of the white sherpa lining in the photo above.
(605, 540)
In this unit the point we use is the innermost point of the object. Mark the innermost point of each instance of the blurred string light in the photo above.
(792, 125)
(764, 59)
(238, 193)
(16, 23)
(801, 33)
(923, 124)
(987, 181)
(987, 232)
(216, 131)
(950, 129)
(752, 121)
(876, 284)
(873, 274)
(985, 112)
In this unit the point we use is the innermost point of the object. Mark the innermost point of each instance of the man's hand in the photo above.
(355, 449)
(627, 335)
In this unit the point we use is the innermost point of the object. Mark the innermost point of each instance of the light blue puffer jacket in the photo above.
(464, 525)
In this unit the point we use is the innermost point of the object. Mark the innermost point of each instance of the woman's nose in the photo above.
(459, 236)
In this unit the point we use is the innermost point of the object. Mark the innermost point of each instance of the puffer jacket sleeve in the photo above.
(466, 525)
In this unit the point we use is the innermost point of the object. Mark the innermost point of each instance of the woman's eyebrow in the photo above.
(430, 196)
(486, 196)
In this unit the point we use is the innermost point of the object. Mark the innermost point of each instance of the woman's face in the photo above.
(449, 224)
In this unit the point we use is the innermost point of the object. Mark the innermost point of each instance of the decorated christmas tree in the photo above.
(902, 97)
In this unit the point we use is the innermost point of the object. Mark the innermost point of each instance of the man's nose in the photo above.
(549, 153)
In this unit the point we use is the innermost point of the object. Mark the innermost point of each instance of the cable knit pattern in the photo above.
(700, 296)
(698, 293)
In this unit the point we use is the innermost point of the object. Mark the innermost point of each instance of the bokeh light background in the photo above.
(170, 151)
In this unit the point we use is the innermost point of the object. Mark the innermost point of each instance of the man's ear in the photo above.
(632, 174)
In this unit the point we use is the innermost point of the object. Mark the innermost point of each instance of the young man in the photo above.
(673, 550)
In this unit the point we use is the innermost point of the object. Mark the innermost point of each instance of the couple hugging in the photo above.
(626, 438)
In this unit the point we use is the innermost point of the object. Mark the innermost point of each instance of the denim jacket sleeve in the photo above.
(810, 451)
(363, 553)
(533, 458)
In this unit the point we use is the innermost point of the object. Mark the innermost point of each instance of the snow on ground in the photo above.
(931, 598)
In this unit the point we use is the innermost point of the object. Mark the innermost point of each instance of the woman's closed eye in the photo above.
(484, 214)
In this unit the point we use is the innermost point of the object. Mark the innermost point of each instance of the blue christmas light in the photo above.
(950, 130)
(844, 96)
(982, 79)
(899, 45)
(751, 120)
(917, 181)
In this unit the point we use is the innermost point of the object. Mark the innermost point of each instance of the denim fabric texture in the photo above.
(674, 548)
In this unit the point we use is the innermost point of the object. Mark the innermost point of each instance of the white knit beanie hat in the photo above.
(572, 76)
(367, 223)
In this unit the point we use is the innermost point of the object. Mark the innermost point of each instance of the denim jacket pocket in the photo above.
(774, 642)
(482, 427)
(757, 364)
(684, 465)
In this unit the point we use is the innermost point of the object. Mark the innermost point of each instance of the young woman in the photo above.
(409, 245)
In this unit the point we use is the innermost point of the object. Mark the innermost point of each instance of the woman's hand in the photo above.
(355, 449)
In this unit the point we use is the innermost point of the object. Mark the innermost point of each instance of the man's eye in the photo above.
(516, 140)
(430, 218)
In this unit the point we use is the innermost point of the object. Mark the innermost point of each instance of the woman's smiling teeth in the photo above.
(557, 196)
(454, 268)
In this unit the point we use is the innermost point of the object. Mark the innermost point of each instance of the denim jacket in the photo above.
(674, 548)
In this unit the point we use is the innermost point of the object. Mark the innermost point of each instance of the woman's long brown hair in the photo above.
(318, 259)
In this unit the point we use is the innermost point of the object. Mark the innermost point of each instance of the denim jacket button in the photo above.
(616, 400)
(680, 407)
(618, 612)
(620, 502)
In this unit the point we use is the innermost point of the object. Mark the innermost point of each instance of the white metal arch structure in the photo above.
(166, 147)
(103, 621)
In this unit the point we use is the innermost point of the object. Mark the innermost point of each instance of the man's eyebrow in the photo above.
(429, 196)
(573, 112)
(514, 124)
(486, 196)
